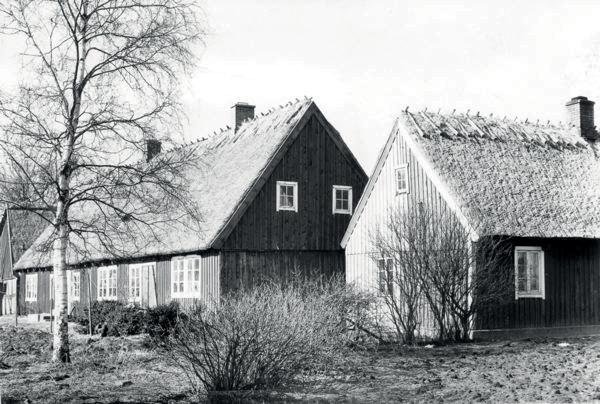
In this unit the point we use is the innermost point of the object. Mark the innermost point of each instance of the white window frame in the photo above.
(31, 287)
(74, 297)
(541, 293)
(104, 275)
(278, 196)
(402, 168)
(334, 200)
(183, 276)
(141, 268)
(380, 285)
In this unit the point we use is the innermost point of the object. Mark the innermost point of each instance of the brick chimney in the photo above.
(153, 148)
(580, 112)
(243, 111)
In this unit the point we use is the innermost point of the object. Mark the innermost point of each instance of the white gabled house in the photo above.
(536, 184)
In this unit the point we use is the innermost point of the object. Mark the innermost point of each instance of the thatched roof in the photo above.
(521, 178)
(231, 170)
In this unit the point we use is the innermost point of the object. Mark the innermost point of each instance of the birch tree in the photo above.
(99, 86)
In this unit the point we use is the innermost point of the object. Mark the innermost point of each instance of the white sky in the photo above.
(364, 61)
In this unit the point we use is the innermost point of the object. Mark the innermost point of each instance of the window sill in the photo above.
(100, 299)
(342, 212)
(31, 300)
(530, 296)
(404, 192)
(287, 210)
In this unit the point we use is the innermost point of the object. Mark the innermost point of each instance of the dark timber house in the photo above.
(18, 230)
(537, 184)
(276, 193)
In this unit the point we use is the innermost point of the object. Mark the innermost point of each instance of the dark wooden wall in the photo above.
(572, 284)
(315, 162)
(209, 280)
(44, 303)
(243, 269)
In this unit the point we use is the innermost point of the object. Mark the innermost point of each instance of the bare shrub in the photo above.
(431, 259)
(263, 337)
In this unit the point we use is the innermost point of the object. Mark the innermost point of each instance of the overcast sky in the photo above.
(364, 61)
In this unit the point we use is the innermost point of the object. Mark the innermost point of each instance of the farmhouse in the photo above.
(537, 184)
(18, 230)
(275, 191)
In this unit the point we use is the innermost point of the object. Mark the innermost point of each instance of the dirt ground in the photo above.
(124, 370)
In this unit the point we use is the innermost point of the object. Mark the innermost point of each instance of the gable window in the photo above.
(287, 196)
(31, 287)
(185, 277)
(107, 283)
(529, 272)
(342, 199)
(402, 179)
(386, 276)
(74, 285)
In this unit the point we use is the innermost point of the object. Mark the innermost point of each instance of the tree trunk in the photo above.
(61, 330)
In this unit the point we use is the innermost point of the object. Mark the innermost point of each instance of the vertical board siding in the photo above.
(209, 280)
(316, 163)
(5, 253)
(361, 269)
(572, 282)
(246, 269)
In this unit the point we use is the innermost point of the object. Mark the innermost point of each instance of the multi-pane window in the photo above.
(342, 199)
(107, 283)
(74, 284)
(529, 272)
(135, 283)
(185, 277)
(31, 287)
(386, 276)
(287, 196)
(402, 179)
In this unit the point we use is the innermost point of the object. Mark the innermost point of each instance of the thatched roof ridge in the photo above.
(525, 178)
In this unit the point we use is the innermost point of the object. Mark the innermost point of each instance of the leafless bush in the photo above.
(430, 259)
(262, 337)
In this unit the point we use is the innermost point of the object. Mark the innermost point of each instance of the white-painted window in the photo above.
(136, 276)
(385, 282)
(342, 199)
(135, 283)
(31, 282)
(74, 285)
(402, 179)
(287, 196)
(107, 283)
(185, 277)
(529, 272)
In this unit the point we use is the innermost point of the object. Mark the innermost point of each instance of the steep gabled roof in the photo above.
(519, 178)
(18, 230)
(233, 167)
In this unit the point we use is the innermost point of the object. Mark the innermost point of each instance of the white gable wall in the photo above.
(361, 269)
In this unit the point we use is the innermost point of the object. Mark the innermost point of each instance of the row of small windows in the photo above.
(73, 286)
(529, 273)
(287, 198)
(106, 285)
(185, 281)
